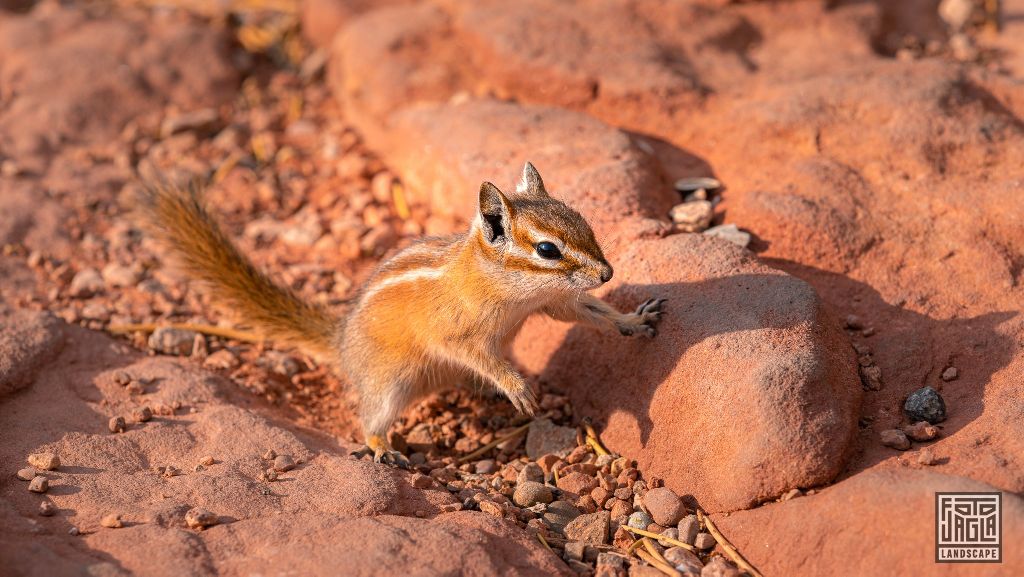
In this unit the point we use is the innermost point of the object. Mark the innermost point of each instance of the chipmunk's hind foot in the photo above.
(382, 453)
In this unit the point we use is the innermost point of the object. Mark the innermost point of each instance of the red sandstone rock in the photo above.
(897, 505)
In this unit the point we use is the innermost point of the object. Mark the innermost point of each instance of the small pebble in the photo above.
(671, 533)
(44, 461)
(531, 472)
(704, 541)
(171, 471)
(86, 283)
(122, 378)
(270, 475)
(529, 493)
(665, 507)
(283, 463)
(486, 467)
(895, 439)
(925, 404)
(574, 550)
(143, 414)
(171, 341)
(692, 216)
(688, 529)
(730, 233)
(112, 521)
(27, 474)
(853, 322)
(222, 359)
(116, 425)
(207, 461)
(639, 520)
(926, 457)
(792, 494)
(921, 431)
(200, 519)
(74, 532)
(950, 374)
(47, 509)
(421, 481)
(39, 484)
(270, 455)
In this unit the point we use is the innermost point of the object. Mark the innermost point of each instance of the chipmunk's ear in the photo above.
(495, 212)
(530, 183)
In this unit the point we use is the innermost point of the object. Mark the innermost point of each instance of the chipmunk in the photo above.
(440, 310)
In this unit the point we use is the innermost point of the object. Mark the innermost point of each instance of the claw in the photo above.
(393, 458)
(382, 453)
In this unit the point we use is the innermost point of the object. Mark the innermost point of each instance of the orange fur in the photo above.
(439, 312)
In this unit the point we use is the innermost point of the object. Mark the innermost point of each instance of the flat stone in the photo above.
(895, 439)
(559, 514)
(590, 528)
(545, 437)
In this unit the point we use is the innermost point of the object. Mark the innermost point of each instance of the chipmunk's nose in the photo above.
(606, 272)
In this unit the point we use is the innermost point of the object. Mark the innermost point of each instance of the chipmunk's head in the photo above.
(538, 240)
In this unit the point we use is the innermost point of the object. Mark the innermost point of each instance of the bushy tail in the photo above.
(176, 216)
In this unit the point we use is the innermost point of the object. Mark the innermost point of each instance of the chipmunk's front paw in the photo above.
(643, 321)
(522, 398)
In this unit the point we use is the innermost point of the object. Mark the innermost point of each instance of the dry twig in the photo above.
(658, 537)
(198, 328)
(728, 547)
(494, 444)
(664, 568)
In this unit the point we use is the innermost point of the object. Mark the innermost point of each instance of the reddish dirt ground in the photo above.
(873, 152)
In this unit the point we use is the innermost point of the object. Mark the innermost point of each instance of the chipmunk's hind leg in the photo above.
(380, 406)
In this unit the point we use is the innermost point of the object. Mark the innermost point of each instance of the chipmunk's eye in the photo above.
(548, 250)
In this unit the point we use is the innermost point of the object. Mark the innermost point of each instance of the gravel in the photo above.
(143, 414)
(921, 431)
(925, 404)
(704, 541)
(529, 493)
(44, 461)
(688, 527)
(731, 233)
(545, 437)
(171, 341)
(591, 528)
(39, 484)
(895, 439)
(86, 283)
(200, 519)
(117, 425)
(531, 472)
(112, 521)
(926, 457)
(559, 514)
(284, 463)
(639, 520)
(684, 561)
(665, 507)
(692, 216)
(27, 474)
